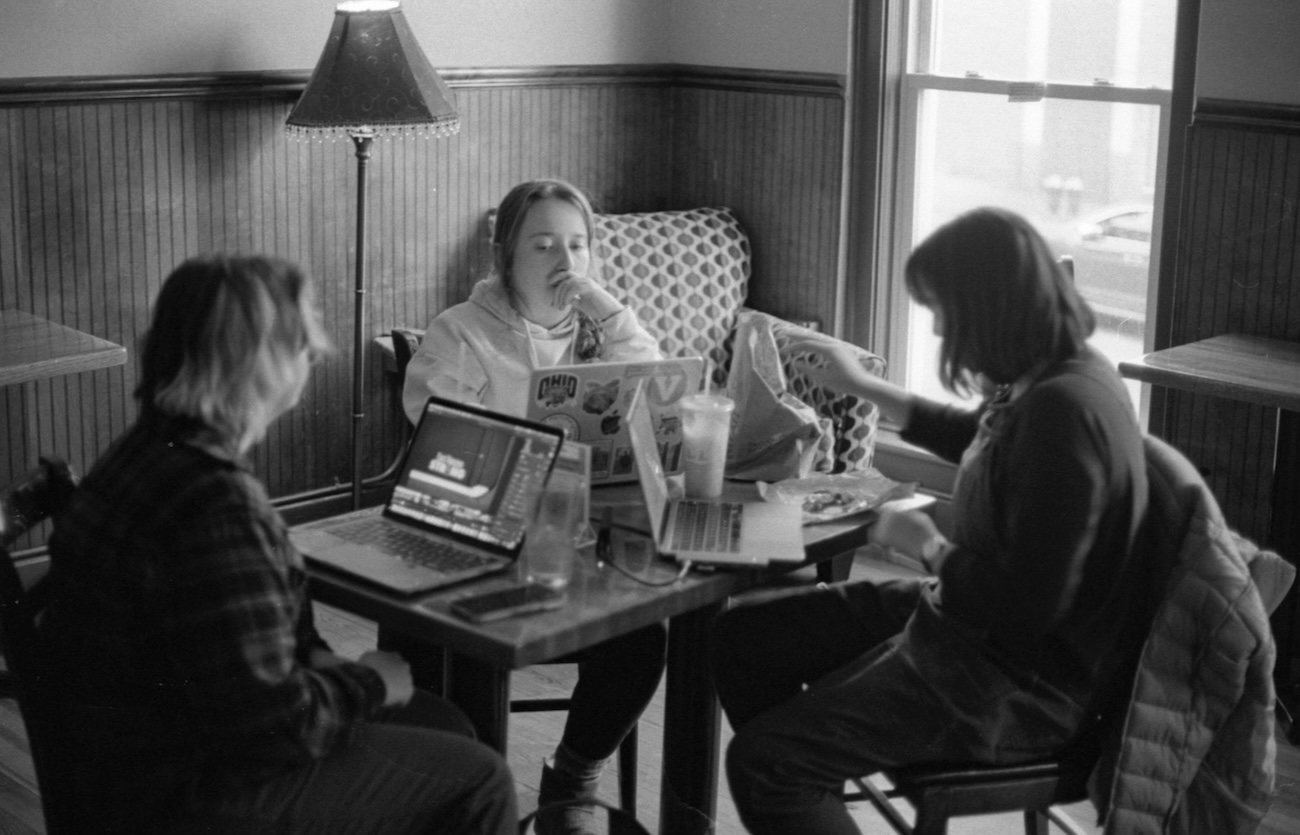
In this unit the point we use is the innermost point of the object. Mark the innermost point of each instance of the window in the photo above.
(1056, 109)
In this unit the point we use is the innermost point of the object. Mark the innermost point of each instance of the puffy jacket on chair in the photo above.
(1196, 753)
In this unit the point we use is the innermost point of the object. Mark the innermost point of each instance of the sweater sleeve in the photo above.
(444, 366)
(627, 340)
(942, 429)
(1052, 488)
(231, 604)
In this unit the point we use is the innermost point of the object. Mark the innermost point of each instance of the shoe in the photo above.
(573, 818)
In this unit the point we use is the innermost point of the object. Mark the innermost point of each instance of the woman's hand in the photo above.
(583, 292)
(840, 370)
(911, 532)
(396, 673)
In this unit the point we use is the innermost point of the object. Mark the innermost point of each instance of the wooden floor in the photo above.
(534, 735)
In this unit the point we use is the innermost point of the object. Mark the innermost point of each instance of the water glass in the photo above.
(550, 547)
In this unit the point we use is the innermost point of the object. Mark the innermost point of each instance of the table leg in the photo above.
(482, 690)
(688, 799)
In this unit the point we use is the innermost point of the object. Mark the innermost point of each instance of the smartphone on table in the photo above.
(506, 603)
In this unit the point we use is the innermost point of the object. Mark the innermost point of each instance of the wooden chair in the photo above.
(939, 793)
(405, 343)
(22, 506)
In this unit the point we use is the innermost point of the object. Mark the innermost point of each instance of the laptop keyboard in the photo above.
(411, 547)
(707, 526)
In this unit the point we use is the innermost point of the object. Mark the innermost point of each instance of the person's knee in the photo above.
(749, 762)
(640, 655)
(776, 787)
(496, 773)
(654, 643)
(727, 642)
(487, 801)
(487, 775)
(426, 710)
(454, 719)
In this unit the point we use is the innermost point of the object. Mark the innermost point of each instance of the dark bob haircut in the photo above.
(1006, 304)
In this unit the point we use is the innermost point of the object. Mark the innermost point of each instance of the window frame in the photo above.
(878, 160)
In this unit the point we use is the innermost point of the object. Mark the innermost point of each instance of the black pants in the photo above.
(414, 770)
(821, 685)
(616, 680)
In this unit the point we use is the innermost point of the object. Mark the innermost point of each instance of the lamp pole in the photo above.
(362, 138)
(372, 80)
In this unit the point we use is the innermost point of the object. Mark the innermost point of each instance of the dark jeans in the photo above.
(415, 770)
(616, 680)
(821, 685)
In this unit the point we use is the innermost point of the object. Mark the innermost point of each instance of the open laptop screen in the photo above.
(650, 471)
(473, 473)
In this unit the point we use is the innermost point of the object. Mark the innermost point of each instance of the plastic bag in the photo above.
(774, 435)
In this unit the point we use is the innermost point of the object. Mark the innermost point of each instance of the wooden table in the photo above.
(1265, 372)
(32, 348)
(603, 604)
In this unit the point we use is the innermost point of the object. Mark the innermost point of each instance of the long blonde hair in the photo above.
(225, 334)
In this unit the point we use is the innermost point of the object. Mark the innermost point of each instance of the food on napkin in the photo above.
(825, 497)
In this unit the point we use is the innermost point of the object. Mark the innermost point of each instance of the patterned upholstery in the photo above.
(685, 273)
(855, 420)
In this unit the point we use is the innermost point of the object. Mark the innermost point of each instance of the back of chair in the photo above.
(684, 272)
(1197, 737)
(23, 505)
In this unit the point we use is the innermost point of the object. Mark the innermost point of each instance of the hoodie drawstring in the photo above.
(532, 347)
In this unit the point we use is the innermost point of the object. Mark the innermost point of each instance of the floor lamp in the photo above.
(372, 81)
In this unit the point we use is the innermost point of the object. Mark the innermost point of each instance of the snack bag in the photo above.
(774, 435)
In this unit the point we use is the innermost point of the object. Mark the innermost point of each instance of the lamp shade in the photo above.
(373, 76)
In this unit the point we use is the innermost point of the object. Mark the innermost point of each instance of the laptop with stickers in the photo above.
(589, 402)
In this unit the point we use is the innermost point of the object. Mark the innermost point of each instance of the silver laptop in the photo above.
(463, 496)
(712, 532)
(588, 401)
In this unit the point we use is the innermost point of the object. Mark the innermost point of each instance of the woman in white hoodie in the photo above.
(541, 307)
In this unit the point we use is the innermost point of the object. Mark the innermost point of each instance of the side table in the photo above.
(32, 348)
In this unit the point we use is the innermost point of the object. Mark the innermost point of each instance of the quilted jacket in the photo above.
(1196, 752)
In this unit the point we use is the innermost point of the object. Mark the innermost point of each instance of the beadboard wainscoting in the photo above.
(106, 184)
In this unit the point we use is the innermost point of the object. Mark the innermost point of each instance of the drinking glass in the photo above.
(550, 546)
(706, 426)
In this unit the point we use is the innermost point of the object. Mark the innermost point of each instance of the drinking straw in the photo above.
(706, 382)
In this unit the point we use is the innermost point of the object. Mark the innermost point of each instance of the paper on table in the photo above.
(825, 497)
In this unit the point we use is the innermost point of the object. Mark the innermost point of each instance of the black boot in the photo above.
(576, 818)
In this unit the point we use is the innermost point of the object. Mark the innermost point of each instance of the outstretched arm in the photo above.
(841, 371)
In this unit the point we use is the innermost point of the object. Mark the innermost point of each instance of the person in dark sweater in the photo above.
(195, 687)
(1026, 633)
